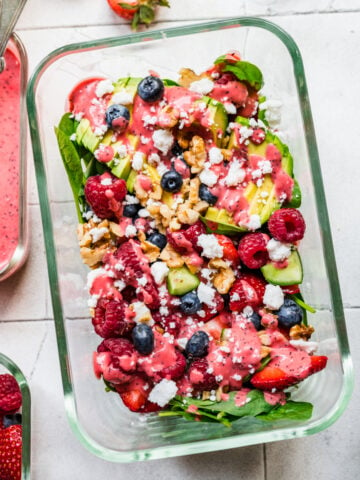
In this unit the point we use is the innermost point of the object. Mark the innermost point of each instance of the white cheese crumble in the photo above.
(120, 285)
(230, 108)
(106, 181)
(206, 294)
(93, 274)
(265, 166)
(159, 271)
(254, 223)
(123, 98)
(154, 158)
(142, 313)
(245, 132)
(137, 161)
(278, 251)
(163, 140)
(208, 177)
(97, 233)
(182, 342)
(103, 87)
(215, 155)
(273, 297)
(130, 231)
(121, 150)
(210, 245)
(203, 86)
(79, 116)
(73, 137)
(100, 131)
(306, 346)
(92, 301)
(149, 120)
(235, 175)
(131, 200)
(272, 111)
(163, 392)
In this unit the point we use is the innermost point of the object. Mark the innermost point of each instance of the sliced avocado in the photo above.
(81, 129)
(295, 201)
(219, 221)
(292, 274)
(128, 85)
(122, 167)
(181, 280)
(90, 140)
(131, 180)
(218, 117)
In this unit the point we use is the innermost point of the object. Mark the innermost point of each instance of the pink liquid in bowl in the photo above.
(10, 98)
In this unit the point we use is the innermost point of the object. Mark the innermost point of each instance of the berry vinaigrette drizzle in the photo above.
(9, 157)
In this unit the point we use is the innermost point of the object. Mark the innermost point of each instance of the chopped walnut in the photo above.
(187, 77)
(183, 139)
(93, 256)
(187, 215)
(226, 153)
(265, 339)
(224, 280)
(196, 155)
(92, 251)
(168, 116)
(171, 257)
(205, 395)
(194, 190)
(151, 251)
(201, 207)
(302, 331)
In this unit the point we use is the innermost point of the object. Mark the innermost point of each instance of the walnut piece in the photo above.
(171, 257)
(224, 280)
(196, 155)
(187, 77)
(302, 331)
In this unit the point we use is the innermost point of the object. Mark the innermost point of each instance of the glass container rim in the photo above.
(212, 444)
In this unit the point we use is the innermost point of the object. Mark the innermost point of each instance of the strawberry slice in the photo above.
(135, 393)
(229, 249)
(318, 363)
(216, 325)
(272, 377)
(247, 290)
(10, 452)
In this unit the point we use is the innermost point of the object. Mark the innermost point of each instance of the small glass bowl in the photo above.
(8, 366)
(17, 197)
(99, 420)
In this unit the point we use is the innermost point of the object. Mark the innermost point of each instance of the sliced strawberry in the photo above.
(135, 393)
(179, 242)
(272, 377)
(211, 312)
(247, 290)
(192, 234)
(216, 325)
(10, 452)
(318, 363)
(291, 289)
(230, 252)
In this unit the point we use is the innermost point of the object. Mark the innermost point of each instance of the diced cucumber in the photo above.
(181, 280)
(292, 274)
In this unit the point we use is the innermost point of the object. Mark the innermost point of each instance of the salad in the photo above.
(189, 222)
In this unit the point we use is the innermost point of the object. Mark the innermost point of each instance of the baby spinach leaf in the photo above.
(290, 411)
(246, 72)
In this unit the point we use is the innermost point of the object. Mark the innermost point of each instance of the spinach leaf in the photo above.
(68, 124)
(290, 411)
(246, 72)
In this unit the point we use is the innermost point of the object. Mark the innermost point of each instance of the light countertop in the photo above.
(328, 36)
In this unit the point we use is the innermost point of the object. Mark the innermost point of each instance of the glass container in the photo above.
(100, 420)
(13, 162)
(8, 366)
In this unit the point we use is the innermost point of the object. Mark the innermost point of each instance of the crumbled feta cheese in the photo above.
(162, 168)
(106, 181)
(103, 87)
(208, 177)
(237, 377)
(79, 116)
(123, 98)
(182, 342)
(73, 137)
(278, 251)
(272, 111)
(203, 86)
(207, 273)
(248, 311)
(100, 131)
(131, 200)
(273, 297)
(120, 285)
(235, 175)
(121, 150)
(163, 392)
(201, 106)
(137, 161)
(245, 132)
(164, 311)
(265, 166)
(93, 274)
(144, 140)
(307, 346)
(142, 313)
(130, 231)
(154, 158)
(159, 271)
(215, 155)
(143, 213)
(92, 301)
(149, 120)
(142, 281)
(254, 223)
(230, 108)
(210, 245)
(97, 233)
(163, 140)
(235, 297)
(206, 294)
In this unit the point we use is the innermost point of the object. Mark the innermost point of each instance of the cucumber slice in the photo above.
(181, 280)
(290, 275)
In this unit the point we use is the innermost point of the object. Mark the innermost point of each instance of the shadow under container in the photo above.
(13, 159)
(98, 419)
(8, 366)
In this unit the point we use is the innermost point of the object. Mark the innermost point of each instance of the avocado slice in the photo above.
(120, 167)
(131, 181)
(292, 274)
(181, 280)
(218, 117)
(219, 221)
(128, 85)
(82, 127)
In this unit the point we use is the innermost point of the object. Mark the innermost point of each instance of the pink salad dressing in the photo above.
(10, 92)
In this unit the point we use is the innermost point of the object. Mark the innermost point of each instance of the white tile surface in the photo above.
(330, 46)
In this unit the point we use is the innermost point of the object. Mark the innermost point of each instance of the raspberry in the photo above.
(247, 290)
(258, 136)
(10, 394)
(179, 242)
(199, 376)
(104, 193)
(174, 372)
(123, 357)
(225, 78)
(287, 225)
(170, 323)
(192, 234)
(252, 250)
(110, 320)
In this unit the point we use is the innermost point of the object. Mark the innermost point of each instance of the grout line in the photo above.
(265, 462)
(187, 20)
(39, 352)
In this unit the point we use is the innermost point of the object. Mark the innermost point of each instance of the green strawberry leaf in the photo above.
(246, 72)
(127, 6)
(146, 14)
(135, 21)
(164, 3)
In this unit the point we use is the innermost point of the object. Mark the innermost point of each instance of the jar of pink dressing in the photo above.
(13, 164)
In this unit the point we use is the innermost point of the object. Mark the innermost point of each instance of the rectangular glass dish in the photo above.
(8, 366)
(100, 421)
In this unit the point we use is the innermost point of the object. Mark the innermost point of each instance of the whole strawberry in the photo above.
(138, 11)
(10, 453)
(10, 394)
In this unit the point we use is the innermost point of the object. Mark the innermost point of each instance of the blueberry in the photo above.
(256, 320)
(150, 89)
(176, 150)
(190, 303)
(158, 239)
(143, 338)
(171, 181)
(117, 116)
(206, 195)
(289, 314)
(14, 419)
(131, 210)
(198, 345)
